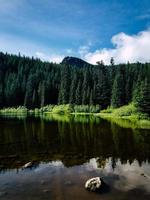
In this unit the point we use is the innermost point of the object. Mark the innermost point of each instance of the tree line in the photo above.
(32, 83)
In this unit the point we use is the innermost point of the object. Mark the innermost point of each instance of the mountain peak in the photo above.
(73, 61)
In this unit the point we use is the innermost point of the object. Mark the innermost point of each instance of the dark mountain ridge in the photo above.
(73, 61)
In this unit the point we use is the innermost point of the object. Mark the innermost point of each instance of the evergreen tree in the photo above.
(91, 97)
(143, 100)
(1, 95)
(72, 96)
(85, 94)
(118, 94)
(65, 86)
(136, 91)
(28, 101)
(102, 94)
(112, 62)
(78, 94)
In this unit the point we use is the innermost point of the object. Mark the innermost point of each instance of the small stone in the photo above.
(28, 165)
(93, 184)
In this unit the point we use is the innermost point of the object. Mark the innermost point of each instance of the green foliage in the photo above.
(127, 116)
(118, 90)
(48, 108)
(130, 122)
(62, 109)
(108, 110)
(78, 97)
(19, 110)
(143, 97)
(125, 111)
(86, 108)
(64, 86)
(35, 84)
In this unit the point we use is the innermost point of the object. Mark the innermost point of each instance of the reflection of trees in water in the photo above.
(72, 142)
(131, 144)
(101, 162)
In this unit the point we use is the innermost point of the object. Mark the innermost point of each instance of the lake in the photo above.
(68, 150)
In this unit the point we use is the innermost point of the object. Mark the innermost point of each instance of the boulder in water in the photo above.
(93, 184)
(28, 165)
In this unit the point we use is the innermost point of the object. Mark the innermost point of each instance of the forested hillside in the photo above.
(33, 83)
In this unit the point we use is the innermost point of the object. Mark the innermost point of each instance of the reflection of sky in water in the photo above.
(124, 177)
(130, 175)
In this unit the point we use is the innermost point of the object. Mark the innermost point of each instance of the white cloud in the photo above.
(130, 48)
(129, 174)
(55, 58)
(83, 50)
(14, 45)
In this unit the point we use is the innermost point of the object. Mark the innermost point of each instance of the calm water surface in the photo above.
(66, 152)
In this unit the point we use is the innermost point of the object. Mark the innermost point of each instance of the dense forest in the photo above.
(32, 83)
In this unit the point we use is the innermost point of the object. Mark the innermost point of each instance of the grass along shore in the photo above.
(128, 113)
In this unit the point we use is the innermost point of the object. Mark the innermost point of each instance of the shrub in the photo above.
(108, 110)
(126, 110)
(47, 108)
(62, 109)
(86, 108)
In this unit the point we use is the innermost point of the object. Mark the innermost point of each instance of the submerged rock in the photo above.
(31, 165)
(93, 184)
(28, 165)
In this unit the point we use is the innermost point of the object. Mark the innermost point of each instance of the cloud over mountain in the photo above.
(130, 48)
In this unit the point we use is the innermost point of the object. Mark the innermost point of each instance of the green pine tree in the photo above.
(143, 100)
(118, 93)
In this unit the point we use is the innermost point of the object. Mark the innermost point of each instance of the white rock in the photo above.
(28, 165)
(93, 184)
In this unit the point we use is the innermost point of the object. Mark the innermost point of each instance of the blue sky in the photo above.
(52, 29)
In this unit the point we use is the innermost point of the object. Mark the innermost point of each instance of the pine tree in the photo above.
(91, 97)
(143, 100)
(112, 62)
(78, 94)
(73, 87)
(28, 100)
(118, 93)
(137, 90)
(102, 95)
(65, 86)
(42, 94)
(85, 95)
(1, 95)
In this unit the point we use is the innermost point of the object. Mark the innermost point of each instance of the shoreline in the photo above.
(128, 121)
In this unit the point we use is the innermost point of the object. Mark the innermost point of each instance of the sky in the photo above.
(93, 30)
